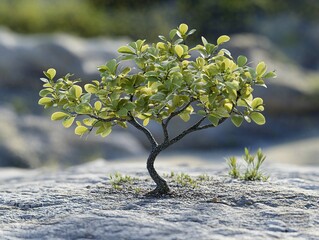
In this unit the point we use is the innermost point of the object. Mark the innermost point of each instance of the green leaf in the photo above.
(58, 116)
(256, 103)
(179, 50)
(89, 121)
(45, 92)
(80, 130)
(98, 105)
(185, 116)
(172, 33)
(241, 60)
(126, 49)
(67, 122)
(222, 39)
(258, 118)
(270, 75)
(261, 69)
(51, 72)
(76, 91)
(204, 41)
(158, 96)
(146, 121)
(44, 100)
(107, 131)
(112, 65)
(214, 120)
(90, 88)
(183, 28)
(237, 120)
(83, 108)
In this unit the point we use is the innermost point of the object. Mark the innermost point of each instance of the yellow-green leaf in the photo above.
(222, 39)
(98, 105)
(183, 28)
(185, 116)
(125, 49)
(160, 45)
(44, 100)
(261, 69)
(146, 121)
(58, 116)
(258, 118)
(77, 91)
(106, 132)
(241, 60)
(256, 102)
(51, 72)
(179, 50)
(80, 130)
(237, 120)
(90, 88)
(68, 122)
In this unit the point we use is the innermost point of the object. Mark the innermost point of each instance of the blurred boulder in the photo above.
(293, 91)
(33, 141)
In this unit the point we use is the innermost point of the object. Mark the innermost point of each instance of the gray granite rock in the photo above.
(79, 203)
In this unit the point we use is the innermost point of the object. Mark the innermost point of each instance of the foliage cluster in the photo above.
(167, 85)
(252, 165)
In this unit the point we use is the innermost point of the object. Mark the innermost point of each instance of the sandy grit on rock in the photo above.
(80, 203)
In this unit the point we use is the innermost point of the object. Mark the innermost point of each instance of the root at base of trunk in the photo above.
(160, 191)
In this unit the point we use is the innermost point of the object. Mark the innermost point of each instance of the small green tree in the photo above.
(168, 83)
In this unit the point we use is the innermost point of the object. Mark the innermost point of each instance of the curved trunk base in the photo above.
(162, 189)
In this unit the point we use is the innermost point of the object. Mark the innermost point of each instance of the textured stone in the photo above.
(79, 203)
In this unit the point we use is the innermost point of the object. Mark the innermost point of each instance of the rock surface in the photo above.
(33, 141)
(80, 203)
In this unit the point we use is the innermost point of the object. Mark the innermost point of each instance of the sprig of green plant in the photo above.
(186, 180)
(253, 166)
(118, 181)
(233, 167)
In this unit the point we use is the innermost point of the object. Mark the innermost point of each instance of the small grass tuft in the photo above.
(118, 181)
(253, 167)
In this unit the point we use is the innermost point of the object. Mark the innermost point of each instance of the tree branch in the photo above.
(173, 114)
(105, 120)
(184, 133)
(165, 123)
(193, 128)
(143, 129)
(211, 125)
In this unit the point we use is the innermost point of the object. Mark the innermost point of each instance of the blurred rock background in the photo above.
(78, 35)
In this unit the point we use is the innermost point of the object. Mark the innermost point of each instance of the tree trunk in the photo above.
(161, 184)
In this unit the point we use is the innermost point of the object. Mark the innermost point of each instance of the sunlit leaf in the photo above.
(126, 49)
(222, 39)
(58, 116)
(237, 120)
(67, 122)
(45, 100)
(179, 50)
(183, 28)
(241, 60)
(51, 72)
(80, 130)
(261, 69)
(258, 118)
